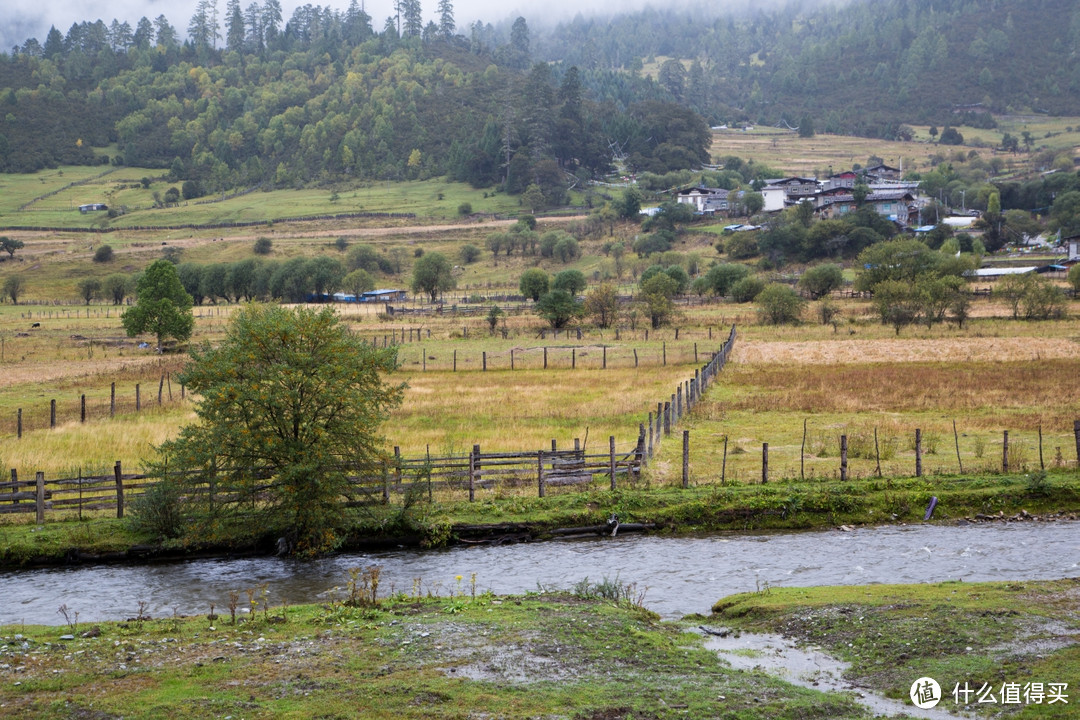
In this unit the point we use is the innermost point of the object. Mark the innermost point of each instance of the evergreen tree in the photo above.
(446, 19)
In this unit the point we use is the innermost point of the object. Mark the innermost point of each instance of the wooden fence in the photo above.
(455, 473)
(134, 399)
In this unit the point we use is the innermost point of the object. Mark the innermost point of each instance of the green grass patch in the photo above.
(954, 632)
(412, 656)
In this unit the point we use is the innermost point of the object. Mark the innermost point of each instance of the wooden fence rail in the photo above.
(455, 473)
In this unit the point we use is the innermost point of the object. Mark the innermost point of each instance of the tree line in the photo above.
(323, 98)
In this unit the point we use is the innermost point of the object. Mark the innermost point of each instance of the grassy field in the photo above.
(417, 655)
(960, 634)
(51, 199)
(784, 150)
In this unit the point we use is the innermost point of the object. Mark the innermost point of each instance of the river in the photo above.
(678, 575)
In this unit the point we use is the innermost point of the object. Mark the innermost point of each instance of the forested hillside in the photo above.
(858, 67)
(250, 99)
(323, 98)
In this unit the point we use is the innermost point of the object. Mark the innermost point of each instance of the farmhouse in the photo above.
(704, 199)
(1073, 244)
(897, 205)
(92, 207)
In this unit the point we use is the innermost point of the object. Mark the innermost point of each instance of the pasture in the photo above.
(855, 379)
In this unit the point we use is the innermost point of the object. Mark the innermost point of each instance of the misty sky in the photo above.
(22, 19)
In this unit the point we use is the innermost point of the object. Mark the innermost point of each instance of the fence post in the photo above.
(554, 445)
(397, 465)
(511, 358)
(540, 472)
(611, 459)
(474, 468)
(82, 408)
(1005, 452)
(118, 475)
(484, 360)
(659, 421)
(695, 353)
(639, 450)
(650, 434)
(678, 401)
(664, 346)
(764, 463)
(138, 398)
(724, 464)
(545, 357)
(39, 482)
(918, 452)
(605, 358)
(1077, 442)
(52, 413)
(686, 458)
(14, 484)
(112, 398)
(573, 358)
(667, 418)
(1076, 434)
(18, 423)
(843, 457)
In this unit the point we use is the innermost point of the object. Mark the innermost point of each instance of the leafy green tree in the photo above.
(559, 308)
(602, 304)
(572, 281)
(290, 406)
(263, 246)
(358, 282)
(1074, 278)
(1044, 301)
(721, 277)
(1011, 289)
(433, 274)
(899, 260)
(747, 289)
(821, 279)
(628, 205)
(779, 305)
(533, 283)
(162, 305)
(470, 254)
(493, 318)
(116, 287)
(89, 288)
(936, 296)
(103, 254)
(10, 245)
(897, 303)
(567, 249)
(13, 287)
(326, 276)
(657, 294)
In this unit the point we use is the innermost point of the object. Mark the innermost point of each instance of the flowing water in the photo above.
(678, 575)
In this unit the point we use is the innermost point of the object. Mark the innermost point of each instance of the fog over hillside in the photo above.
(23, 19)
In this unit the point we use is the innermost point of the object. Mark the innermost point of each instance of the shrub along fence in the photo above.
(452, 475)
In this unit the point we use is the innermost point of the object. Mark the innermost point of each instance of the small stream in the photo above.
(679, 575)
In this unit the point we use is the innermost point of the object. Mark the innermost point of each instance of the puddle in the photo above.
(809, 667)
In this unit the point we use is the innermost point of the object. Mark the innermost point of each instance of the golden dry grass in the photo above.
(904, 350)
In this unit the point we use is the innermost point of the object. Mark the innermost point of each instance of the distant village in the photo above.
(898, 200)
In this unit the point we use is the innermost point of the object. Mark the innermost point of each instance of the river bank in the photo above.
(783, 505)
(586, 656)
(1014, 645)
(590, 654)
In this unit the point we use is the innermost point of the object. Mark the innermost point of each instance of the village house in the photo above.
(897, 205)
(704, 199)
